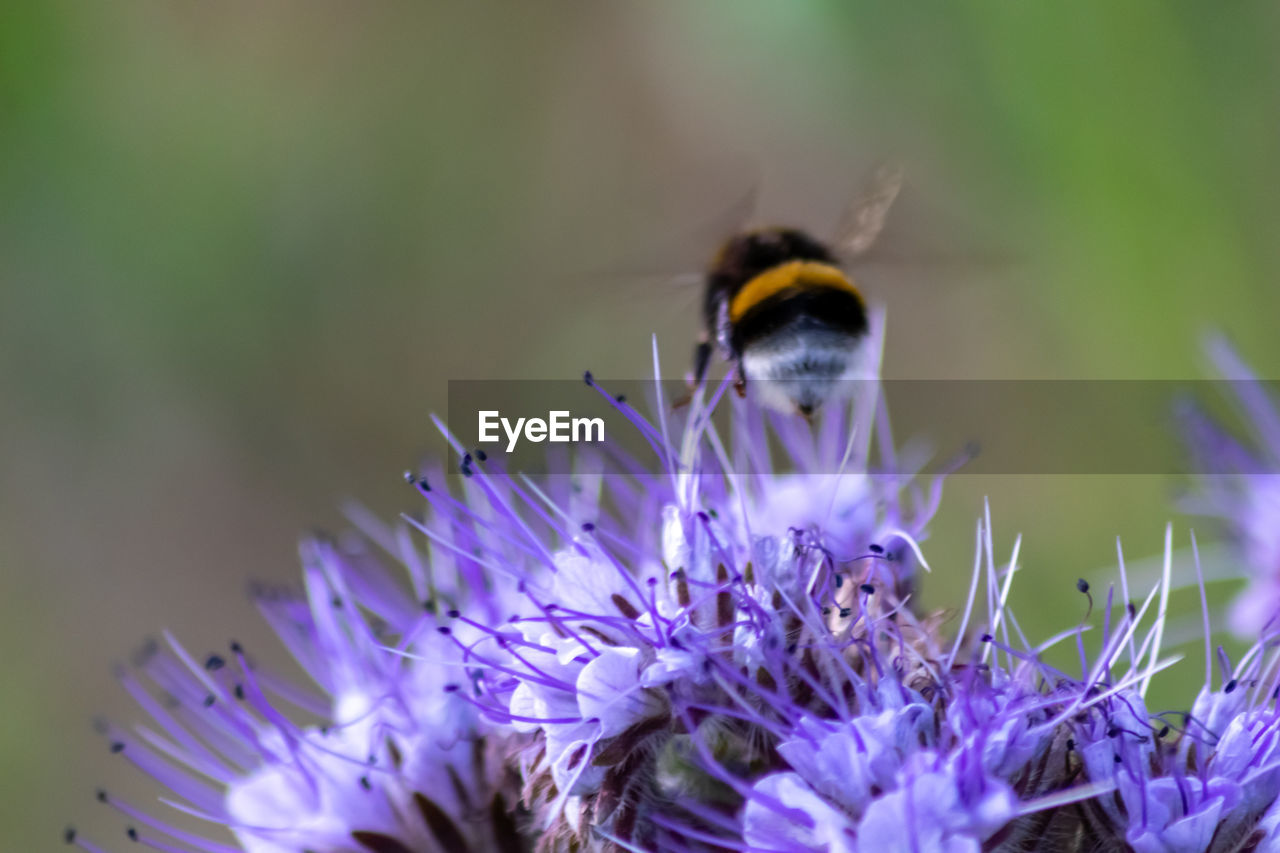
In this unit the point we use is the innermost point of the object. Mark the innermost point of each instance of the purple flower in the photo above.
(929, 810)
(726, 654)
(1240, 484)
(399, 757)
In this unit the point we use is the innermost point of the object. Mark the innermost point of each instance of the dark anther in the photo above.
(117, 746)
(1133, 610)
(587, 526)
(481, 455)
(1231, 685)
(101, 795)
(429, 605)
(621, 398)
(1071, 744)
(839, 581)
(69, 835)
(1163, 733)
(1113, 731)
(986, 638)
(209, 700)
(867, 588)
(364, 783)
(336, 602)
(445, 629)
(239, 691)
(1083, 586)
(451, 688)
(846, 612)
(453, 614)
(132, 833)
(1117, 758)
(213, 663)
(236, 648)
(587, 377)
(876, 549)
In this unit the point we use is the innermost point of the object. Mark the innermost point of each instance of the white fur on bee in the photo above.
(798, 369)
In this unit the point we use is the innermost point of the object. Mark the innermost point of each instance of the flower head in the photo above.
(725, 654)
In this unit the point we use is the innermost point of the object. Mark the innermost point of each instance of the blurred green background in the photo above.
(244, 247)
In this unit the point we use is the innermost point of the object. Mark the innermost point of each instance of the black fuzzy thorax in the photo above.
(748, 255)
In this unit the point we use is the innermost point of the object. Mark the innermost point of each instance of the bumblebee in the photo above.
(780, 307)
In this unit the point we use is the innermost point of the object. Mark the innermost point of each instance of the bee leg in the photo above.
(740, 385)
(701, 360)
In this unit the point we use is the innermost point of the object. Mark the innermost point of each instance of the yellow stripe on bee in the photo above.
(793, 275)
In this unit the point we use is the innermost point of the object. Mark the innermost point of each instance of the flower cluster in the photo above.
(723, 655)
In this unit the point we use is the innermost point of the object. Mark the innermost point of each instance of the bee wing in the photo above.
(956, 261)
(865, 216)
(927, 235)
(678, 262)
(683, 259)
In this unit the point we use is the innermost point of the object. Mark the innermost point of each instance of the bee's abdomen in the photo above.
(768, 253)
(817, 307)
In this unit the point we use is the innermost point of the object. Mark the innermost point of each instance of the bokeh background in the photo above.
(243, 248)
